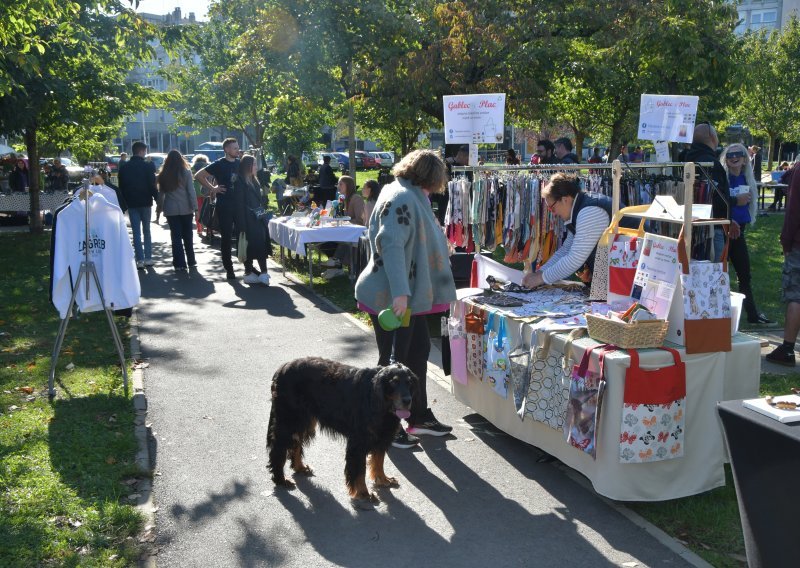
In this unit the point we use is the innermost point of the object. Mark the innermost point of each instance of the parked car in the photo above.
(344, 160)
(157, 159)
(212, 150)
(113, 162)
(369, 163)
(335, 164)
(384, 159)
(75, 171)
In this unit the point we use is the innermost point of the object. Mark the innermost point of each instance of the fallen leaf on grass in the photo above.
(111, 460)
(26, 390)
(70, 366)
(148, 536)
(704, 545)
(30, 398)
(31, 365)
(75, 523)
(13, 407)
(112, 418)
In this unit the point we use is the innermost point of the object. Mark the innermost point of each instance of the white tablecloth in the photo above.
(295, 237)
(709, 378)
(21, 201)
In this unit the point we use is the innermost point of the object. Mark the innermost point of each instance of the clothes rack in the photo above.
(89, 272)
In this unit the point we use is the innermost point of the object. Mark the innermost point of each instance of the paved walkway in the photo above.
(477, 498)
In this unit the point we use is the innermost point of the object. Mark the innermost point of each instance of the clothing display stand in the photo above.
(88, 271)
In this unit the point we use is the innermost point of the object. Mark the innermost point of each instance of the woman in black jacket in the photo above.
(247, 196)
(19, 180)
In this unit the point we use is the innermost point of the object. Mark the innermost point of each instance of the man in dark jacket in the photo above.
(704, 149)
(137, 184)
(327, 182)
(563, 152)
(790, 293)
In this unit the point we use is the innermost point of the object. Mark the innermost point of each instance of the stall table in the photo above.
(762, 194)
(300, 239)
(21, 201)
(765, 460)
(710, 378)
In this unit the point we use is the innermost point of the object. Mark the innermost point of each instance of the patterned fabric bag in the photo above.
(585, 399)
(706, 302)
(600, 276)
(623, 257)
(520, 363)
(458, 343)
(653, 411)
(497, 365)
(548, 390)
(473, 325)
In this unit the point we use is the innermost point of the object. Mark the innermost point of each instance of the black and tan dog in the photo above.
(363, 405)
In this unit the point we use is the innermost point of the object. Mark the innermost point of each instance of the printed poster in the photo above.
(667, 117)
(474, 119)
(657, 274)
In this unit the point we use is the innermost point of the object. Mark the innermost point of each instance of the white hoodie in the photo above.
(109, 248)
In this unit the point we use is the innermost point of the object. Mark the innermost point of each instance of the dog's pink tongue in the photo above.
(401, 413)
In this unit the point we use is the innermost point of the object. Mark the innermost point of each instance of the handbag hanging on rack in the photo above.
(706, 301)
(653, 411)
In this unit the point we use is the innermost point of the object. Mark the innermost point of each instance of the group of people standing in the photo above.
(230, 181)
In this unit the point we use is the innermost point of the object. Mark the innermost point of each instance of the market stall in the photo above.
(295, 234)
(643, 425)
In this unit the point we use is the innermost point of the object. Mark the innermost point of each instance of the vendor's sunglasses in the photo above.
(734, 155)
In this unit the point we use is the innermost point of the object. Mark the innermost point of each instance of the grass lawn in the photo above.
(66, 467)
(708, 523)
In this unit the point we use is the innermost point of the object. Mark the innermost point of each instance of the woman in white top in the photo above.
(587, 217)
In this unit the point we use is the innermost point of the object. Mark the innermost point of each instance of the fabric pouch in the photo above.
(519, 360)
(653, 411)
(473, 326)
(241, 248)
(497, 365)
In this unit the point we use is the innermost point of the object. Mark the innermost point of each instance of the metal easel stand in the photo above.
(88, 270)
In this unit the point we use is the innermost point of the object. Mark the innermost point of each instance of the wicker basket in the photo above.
(634, 335)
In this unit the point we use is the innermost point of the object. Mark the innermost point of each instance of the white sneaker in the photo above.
(330, 263)
(251, 278)
(333, 273)
(264, 278)
(149, 262)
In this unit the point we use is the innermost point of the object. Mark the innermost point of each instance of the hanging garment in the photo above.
(109, 248)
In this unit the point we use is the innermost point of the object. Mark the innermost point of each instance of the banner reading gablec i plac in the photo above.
(474, 119)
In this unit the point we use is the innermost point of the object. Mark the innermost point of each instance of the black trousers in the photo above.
(226, 220)
(412, 345)
(740, 258)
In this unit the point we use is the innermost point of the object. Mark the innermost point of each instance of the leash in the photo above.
(392, 357)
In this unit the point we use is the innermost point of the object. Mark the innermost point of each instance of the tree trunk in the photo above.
(33, 181)
(351, 135)
(579, 138)
(772, 138)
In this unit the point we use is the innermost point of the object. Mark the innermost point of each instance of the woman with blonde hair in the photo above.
(409, 270)
(179, 204)
(744, 190)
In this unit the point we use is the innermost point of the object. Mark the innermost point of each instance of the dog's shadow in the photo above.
(371, 531)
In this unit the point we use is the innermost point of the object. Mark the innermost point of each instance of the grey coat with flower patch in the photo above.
(409, 253)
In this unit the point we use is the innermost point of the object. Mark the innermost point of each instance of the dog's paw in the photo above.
(305, 470)
(284, 483)
(386, 482)
(366, 502)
